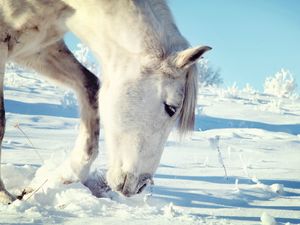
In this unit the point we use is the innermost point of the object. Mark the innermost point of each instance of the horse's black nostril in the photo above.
(124, 184)
(133, 184)
(142, 188)
(145, 179)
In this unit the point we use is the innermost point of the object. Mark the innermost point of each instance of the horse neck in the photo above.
(128, 30)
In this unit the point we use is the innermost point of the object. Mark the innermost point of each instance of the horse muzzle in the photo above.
(133, 184)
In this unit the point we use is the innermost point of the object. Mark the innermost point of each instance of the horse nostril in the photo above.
(124, 183)
(142, 188)
(145, 179)
(133, 184)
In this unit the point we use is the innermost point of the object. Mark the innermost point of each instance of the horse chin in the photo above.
(133, 184)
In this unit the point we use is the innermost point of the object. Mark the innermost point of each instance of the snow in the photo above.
(254, 137)
(266, 219)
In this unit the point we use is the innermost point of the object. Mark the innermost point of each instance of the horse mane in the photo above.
(165, 39)
(173, 41)
(187, 115)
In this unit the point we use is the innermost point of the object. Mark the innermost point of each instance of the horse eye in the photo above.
(171, 110)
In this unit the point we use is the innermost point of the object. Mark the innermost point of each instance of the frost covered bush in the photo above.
(208, 76)
(273, 105)
(17, 76)
(13, 67)
(230, 92)
(13, 80)
(282, 84)
(215, 145)
(81, 53)
(69, 100)
(249, 89)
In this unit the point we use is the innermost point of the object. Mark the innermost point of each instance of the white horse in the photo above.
(149, 78)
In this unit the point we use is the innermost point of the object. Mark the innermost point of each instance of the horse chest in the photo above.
(29, 26)
(29, 41)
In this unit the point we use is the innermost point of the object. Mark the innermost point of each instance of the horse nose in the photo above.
(135, 184)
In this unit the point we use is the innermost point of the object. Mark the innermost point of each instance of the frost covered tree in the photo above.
(281, 84)
(209, 76)
(16, 68)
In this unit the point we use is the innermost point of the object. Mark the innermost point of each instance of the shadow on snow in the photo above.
(188, 197)
(40, 109)
(207, 123)
(295, 184)
(252, 218)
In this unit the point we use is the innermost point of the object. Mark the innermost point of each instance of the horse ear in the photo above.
(188, 57)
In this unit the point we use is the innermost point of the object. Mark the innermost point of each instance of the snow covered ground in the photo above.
(240, 166)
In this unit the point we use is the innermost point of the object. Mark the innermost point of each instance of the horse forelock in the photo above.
(187, 114)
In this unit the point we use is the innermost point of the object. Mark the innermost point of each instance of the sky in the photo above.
(250, 39)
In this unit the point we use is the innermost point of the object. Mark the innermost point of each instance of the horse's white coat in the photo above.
(146, 69)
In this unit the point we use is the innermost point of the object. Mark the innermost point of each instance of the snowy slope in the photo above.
(257, 136)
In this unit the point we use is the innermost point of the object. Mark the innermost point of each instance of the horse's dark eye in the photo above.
(171, 110)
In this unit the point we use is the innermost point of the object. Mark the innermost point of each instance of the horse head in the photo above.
(139, 108)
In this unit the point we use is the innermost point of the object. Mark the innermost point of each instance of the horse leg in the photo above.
(5, 196)
(59, 64)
